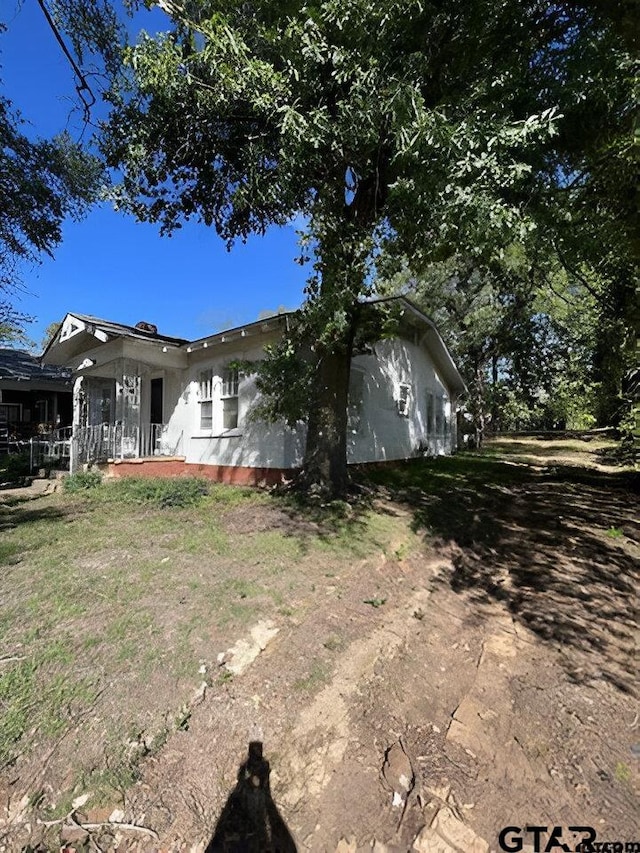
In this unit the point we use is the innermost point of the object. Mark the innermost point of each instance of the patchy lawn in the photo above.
(115, 597)
(476, 615)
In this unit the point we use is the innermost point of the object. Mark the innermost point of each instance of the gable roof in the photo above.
(78, 331)
(119, 330)
(20, 366)
(105, 330)
(442, 358)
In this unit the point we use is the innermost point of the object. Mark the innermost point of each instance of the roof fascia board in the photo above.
(27, 386)
(154, 353)
(239, 332)
(440, 350)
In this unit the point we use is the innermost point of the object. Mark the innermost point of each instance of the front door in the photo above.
(156, 410)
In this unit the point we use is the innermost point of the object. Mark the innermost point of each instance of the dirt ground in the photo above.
(489, 682)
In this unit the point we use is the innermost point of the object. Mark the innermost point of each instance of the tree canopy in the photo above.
(412, 128)
(41, 183)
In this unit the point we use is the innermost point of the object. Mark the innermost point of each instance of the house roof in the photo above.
(443, 359)
(20, 366)
(106, 329)
(120, 330)
(114, 330)
(78, 332)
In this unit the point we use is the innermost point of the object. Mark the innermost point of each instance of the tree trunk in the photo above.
(325, 462)
(344, 244)
(479, 394)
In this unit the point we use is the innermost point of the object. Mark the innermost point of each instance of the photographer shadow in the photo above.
(250, 821)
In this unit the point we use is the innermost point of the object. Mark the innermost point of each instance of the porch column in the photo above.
(79, 420)
(129, 408)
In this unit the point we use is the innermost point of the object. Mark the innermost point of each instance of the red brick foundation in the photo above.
(177, 467)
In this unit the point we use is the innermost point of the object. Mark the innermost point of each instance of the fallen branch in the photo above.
(127, 827)
(93, 827)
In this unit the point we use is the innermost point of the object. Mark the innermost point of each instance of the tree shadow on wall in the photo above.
(250, 821)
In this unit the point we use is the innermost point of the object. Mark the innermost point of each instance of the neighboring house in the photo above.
(148, 403)
(34, 398)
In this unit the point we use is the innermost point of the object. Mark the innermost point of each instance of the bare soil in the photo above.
(417, 698)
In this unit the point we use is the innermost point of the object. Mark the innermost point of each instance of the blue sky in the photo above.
(108, 264)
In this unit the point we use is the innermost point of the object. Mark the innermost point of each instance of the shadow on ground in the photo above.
(250, 821)
(558, 547)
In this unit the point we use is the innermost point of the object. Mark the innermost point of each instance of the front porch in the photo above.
(119, 414)
(112, 442)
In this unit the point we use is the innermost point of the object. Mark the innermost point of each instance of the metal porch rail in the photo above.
(117, 441)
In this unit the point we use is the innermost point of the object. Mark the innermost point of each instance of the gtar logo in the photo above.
(512, 838)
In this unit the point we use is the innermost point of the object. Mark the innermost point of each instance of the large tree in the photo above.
(41, 183)
(418, 127)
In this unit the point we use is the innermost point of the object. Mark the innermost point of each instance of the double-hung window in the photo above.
(206, 399)
(440, 419)
(229, 396)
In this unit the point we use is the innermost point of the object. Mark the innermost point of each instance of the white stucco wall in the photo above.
(379, 432)
(378, 428)
(251, 444)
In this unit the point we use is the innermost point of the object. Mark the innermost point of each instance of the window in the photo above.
(229, 395)
(10, 413)
(431, 412)
(440, 415)
(206, 399)
(105, 405)
(404, 393)
(42, 411)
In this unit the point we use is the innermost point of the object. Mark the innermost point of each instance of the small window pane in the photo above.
(230, 413)
(206, 412)
(230, 383)
(431, 412)
(404, 392)
(206, 385)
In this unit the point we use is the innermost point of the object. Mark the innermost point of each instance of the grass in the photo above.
(317, 675)
(615, 533)
(114, 592)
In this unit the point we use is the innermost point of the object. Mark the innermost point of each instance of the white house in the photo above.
(145, 403)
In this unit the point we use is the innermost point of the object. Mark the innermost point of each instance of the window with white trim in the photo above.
(440, 419)
(229, 396)
(205, 388)
(431, 412)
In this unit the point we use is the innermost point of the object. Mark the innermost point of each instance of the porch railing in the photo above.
(117, 441)
(51, 447)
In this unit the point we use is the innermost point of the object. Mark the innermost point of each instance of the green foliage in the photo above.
(162, 492)
(375, 602)
(83, 481)
(14, 466)
(423, 130)
(43, 182)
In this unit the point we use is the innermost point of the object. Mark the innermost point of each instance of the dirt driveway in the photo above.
(430, 697)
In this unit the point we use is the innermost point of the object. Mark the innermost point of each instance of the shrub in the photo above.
(15, 465)
(159, 491)
(82, 482)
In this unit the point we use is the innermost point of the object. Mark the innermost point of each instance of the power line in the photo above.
(82, 88)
